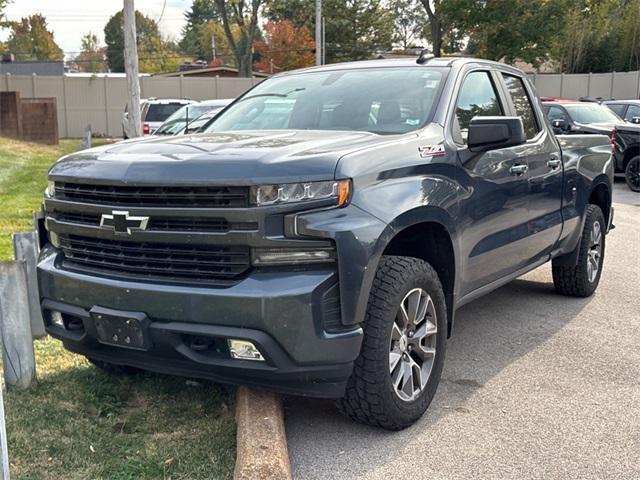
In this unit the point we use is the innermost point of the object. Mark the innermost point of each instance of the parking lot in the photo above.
(535, 386)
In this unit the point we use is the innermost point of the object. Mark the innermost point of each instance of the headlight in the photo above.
(301, 192)
(51, 188)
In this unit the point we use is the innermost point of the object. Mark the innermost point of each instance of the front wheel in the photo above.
(582, 279)
(632, 174)
(400, 363)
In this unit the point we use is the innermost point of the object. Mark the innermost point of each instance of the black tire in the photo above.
(114, 369)
(370, 396)
(632, 174)
(574, 280)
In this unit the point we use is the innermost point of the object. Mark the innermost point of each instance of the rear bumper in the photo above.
(280, 312)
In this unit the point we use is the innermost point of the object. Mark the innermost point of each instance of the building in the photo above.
(201, 70)
(43, 68)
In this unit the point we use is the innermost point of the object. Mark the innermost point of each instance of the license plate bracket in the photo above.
(121, 329)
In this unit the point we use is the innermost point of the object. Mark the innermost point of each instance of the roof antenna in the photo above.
(424, 57)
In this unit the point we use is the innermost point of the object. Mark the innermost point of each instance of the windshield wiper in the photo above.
(281, 95)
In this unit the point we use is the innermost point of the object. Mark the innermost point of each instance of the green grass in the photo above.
(23, 178)
(80, 422)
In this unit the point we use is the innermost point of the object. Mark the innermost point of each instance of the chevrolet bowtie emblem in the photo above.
(122, 223)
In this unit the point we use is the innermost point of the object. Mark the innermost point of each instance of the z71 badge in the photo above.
(431, 150)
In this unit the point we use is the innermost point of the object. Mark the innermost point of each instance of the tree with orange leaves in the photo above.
(285, 48)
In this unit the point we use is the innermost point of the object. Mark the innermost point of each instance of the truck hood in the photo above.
(233, 158)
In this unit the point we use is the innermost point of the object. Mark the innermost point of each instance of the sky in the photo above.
(71, 19)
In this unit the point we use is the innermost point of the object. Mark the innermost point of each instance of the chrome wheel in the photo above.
(412, 348)
(595, 252)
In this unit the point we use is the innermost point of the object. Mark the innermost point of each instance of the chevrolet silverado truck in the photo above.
(319, 236)
(626, 152)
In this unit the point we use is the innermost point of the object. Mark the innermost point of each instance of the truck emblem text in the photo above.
(431, 150)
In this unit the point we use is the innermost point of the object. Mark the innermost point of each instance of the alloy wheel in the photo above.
(412, 347)
(595, 251)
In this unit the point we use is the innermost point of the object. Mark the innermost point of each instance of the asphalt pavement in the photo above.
(535, 386)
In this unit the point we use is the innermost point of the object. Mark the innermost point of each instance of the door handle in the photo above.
(553, 162)
(518, 169)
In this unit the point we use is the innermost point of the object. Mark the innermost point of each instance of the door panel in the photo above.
(493, 204)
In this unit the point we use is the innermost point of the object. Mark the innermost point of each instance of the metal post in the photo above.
(131, 68)
(613, 78)
(65, 106)
(4, 451)
(25, 248)
(318, 32)
(106, 104)
(33, 85)
(561, 83)
(17, 342)
(589, 84)
(324, 42)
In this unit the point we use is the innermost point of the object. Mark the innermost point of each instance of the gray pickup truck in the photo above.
(319, 237)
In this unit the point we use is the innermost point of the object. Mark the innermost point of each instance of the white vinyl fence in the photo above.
(100, 101)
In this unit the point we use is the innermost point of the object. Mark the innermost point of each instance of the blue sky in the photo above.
(70, 19)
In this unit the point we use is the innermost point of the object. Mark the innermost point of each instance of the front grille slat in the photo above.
(163, 224)
(157, 260)
(151, 196)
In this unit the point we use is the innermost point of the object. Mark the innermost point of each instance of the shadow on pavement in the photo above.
(489, 335)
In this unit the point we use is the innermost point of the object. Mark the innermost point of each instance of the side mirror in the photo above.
(635, 120)
(492, 133)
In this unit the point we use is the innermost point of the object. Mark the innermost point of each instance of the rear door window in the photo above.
(632, 112)
(478, 98)
(522, 104)
(618, 108)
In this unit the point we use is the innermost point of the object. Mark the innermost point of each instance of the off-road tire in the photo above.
(573, 280)
(632, 174)
(370, 397)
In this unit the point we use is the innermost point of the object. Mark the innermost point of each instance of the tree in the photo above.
(285, 47)
(155, 54)
(354, 29)
(507, 31)
(199, 18)
(409, 22)
(438, 23)
(31, 40)
(92, 56)
(245, 17)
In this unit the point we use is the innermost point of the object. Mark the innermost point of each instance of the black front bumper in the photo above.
(279, 312)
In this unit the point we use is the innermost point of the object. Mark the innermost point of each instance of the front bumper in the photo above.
(280, 312)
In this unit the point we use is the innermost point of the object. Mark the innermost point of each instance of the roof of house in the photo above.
(200, 71)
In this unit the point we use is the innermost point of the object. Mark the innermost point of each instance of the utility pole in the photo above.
(131, 69)
(318, 32)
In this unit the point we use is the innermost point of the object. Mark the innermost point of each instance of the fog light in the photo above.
(244, 350)
(56, 319)
(284, 256)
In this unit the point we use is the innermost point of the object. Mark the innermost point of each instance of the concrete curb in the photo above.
(261, 441)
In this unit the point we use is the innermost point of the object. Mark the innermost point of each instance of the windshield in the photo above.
(382, 100)
(591, 113)
(176, 122)
(159, 112)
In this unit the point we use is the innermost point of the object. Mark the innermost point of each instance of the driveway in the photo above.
(535, 386)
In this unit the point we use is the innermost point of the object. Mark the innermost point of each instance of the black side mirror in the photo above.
(635, 120)
(559, 124)
(492, 133)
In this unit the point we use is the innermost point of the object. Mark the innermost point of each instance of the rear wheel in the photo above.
(582, 279)
(632, 174)
(399, 367)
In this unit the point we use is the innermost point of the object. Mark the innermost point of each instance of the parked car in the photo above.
(176, 123)
(319, 237)
(626, 150)
(153, 112)
(628, 110)
(571, 117)
(200, 123)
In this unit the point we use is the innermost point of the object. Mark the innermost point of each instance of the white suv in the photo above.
(153, 112)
